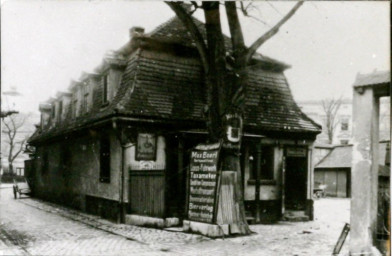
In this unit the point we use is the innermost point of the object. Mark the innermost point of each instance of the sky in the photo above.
(46, 44)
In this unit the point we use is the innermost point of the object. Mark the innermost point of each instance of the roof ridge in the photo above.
(161, 26)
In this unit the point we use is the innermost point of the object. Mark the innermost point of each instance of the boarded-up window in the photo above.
(104, 175)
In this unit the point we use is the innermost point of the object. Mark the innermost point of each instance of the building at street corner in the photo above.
(118, 142)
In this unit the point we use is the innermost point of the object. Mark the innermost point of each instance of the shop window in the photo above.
(104, 175)
(344, 124)
(266, 164)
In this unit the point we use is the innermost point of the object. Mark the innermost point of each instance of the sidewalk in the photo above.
(284, 238)
(155, 238)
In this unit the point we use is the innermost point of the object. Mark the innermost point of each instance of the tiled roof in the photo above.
(377, 77)
(173, 31)
(167, 86)
(341, 157)
(158, 85)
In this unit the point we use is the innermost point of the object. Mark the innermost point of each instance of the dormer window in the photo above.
(105, 93)
(53, 114)
(85, 95)
(74, 108)
(60, 110)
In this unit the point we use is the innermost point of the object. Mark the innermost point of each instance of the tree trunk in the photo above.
(11, 168)
(220, 91)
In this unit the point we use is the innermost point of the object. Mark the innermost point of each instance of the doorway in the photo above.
(295, 181)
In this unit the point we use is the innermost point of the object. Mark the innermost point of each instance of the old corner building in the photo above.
(117, 143)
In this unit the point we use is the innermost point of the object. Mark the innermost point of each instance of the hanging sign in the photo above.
(203, 176)
(146, 147)
(233, 127)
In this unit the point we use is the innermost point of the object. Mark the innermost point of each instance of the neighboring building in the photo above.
(334, 170)
(342, 135)
(343, 132)
(118, 143)
(320, 151)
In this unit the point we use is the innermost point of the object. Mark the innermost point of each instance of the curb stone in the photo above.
(97, 223)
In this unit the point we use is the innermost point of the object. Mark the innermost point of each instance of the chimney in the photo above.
(187, 7)
(136, 31)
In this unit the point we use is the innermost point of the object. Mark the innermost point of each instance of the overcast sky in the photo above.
(45, 44)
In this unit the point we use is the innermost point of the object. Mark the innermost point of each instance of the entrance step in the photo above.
(295, 216)
(250, 220)
(175, 229)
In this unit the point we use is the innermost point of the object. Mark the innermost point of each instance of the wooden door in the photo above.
(331, 182)
(341, 183)
(295, 183)
(147, 193)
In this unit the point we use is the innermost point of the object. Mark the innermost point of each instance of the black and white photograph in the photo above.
(195, 128)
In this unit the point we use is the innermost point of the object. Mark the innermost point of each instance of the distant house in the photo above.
(334, 170)
(343, 130)
(118, 143)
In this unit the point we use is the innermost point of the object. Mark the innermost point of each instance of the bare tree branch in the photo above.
(253, 48)
(245, 12)
(331, 108)
(12, 125)
(186, 19)
(237, 37)
(19, 151)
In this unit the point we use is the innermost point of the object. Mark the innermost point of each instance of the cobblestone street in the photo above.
(33, 227)
(25, 230)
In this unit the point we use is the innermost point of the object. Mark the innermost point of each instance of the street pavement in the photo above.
(34, 227)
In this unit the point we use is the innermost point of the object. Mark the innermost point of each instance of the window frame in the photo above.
(267, 175)
(104, 159)
(45, 163)
(344, 123)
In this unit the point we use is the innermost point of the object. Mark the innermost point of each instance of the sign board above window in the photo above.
(146, 147)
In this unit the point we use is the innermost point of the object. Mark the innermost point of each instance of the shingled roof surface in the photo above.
(377, 77)
(173, 31)
(158, 85)
(341, 157)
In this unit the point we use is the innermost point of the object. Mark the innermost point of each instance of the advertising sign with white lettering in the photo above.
(203, 182)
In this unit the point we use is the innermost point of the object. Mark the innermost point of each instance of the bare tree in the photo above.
(14, 139)
(331, 107)
(225, 75)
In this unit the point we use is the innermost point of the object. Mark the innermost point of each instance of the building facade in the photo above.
(117, 144)
(343, 129)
